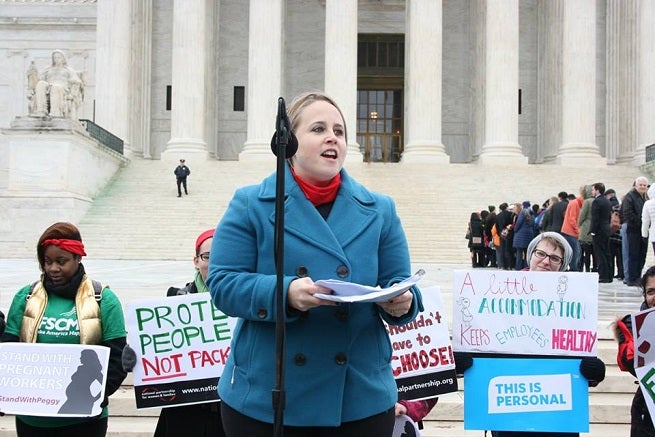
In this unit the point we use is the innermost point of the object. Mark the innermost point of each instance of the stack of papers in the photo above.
(350, 292)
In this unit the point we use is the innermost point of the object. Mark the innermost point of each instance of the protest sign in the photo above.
(526, 394)
(422, 358)
(643, 333)
(404, 426)
(66, 380)
(523, 312)
(181, 344)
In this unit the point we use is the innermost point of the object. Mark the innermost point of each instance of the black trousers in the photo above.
(95, 427)
(637, 251)
(602, 255)
(237, 425)
(200, 420)
(181, 181)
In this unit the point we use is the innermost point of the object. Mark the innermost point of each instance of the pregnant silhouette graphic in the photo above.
(79, 399)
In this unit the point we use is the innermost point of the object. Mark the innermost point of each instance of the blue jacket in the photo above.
(337, 357)
(523, 229)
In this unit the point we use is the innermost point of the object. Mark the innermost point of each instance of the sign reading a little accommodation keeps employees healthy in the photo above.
(422, 358)
(523, 312)
(181, 344)
(66, 380)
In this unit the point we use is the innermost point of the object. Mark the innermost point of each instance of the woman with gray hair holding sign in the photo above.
(550, 252)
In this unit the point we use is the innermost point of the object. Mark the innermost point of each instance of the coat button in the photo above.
(302, 272)
(342, 271)
(262, 313)
(341, 313)
(340, 358)
(300, 359)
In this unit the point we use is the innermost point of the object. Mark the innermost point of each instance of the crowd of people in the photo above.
(339, 371)
(607, 235)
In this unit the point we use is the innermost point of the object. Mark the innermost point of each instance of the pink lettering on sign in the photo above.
(573, 340)
(474, 336)
(510, 285)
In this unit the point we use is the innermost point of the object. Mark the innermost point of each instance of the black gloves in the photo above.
(593, 369)
(128, 358)
(2, 323)
(463, 360)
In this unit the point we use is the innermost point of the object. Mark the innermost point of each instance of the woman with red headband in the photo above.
(196, 419)
(92, 314)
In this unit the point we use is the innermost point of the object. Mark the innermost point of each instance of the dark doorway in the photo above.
(380, 83)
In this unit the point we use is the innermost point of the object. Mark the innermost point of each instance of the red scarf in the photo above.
(319, 195)
(72, 246)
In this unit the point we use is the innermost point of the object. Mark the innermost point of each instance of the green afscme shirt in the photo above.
(59, 326)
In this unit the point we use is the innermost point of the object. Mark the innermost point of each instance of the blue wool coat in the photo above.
(337, 357)
(523, 229)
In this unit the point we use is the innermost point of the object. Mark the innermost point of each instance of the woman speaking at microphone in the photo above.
(338, 375)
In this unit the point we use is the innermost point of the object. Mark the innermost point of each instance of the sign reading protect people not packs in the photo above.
(181, 344)
(66, 380)
(523, 312)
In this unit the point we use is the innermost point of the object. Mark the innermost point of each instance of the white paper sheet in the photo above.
(350, 292)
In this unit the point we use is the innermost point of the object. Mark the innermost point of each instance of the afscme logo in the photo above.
(58, 324)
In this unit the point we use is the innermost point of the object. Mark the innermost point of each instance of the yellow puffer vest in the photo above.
(86, 305)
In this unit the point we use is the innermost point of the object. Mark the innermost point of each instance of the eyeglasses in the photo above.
(552, 258)
(204, 256)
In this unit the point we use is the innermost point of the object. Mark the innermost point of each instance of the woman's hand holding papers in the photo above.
(399, 305)
(300, 295)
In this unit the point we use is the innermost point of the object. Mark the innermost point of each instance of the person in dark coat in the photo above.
(523, 234)
(631, 208)
(476, 240)
(641, 423)
(181, 173)
(557, 212)
(503, 219)
(600, 232)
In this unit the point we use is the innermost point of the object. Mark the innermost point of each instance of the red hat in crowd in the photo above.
(209, 233)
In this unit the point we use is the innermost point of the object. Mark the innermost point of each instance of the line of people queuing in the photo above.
(607, 236)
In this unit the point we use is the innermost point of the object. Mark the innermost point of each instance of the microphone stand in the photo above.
(282, 141)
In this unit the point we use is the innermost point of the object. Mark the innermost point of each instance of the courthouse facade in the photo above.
(486, 81)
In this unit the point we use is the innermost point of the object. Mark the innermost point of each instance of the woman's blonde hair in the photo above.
(305, 99)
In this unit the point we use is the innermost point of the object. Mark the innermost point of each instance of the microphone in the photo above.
(283, 134)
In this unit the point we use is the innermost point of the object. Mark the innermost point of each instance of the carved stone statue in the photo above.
(57, 92)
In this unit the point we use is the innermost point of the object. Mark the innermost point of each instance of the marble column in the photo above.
(341, 65)
(578, 60)
(112, 67)
(646, 84)
(264, 77)
(188, 112)
(613, 151)
(141, 78)
(501, 84)
(423, 57)
(549, 77)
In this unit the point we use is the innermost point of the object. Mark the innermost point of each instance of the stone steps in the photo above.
(434, 201)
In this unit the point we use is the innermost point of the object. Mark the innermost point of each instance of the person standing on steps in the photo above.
(181, 173)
